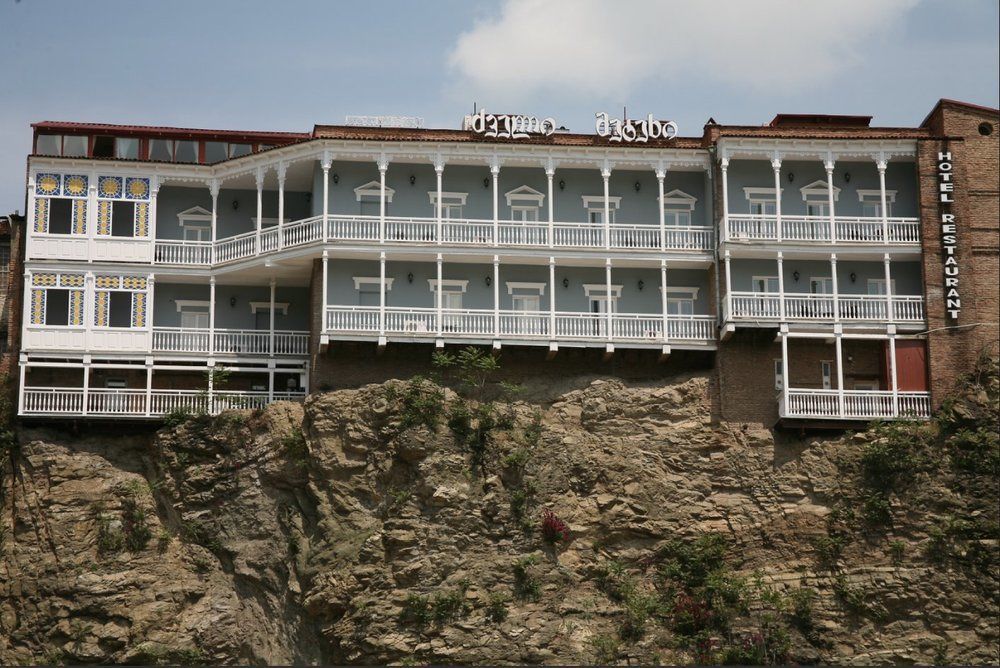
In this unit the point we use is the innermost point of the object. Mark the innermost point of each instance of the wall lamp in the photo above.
(236, 204)
(409, 277)
(638, 186)
(486, 182)
(562, 185)
(795, 275)
(791, 176)
(565, 282)
(854, 277)
(641, 284)
(413, 179)
(847, 177)
(489, 281)
(232, 302)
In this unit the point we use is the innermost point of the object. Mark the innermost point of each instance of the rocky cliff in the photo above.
(403, 523)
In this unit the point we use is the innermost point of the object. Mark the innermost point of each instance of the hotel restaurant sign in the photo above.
(520, 126)
(949, 234)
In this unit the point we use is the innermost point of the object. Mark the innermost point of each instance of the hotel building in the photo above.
(806, 261)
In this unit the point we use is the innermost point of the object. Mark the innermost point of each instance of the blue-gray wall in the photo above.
(171, 200)
(165, 312)
(906, 275)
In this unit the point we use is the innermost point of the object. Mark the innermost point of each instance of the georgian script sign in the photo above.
(634, 131)
(949, 235)
(509, 126)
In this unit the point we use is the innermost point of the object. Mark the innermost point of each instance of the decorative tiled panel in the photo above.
(138, 309)
(79, 216)
(41, 215)
(102, 299)
(110, 187)
(136, 188)
(107, 282)
(103, 217)
(75, 185)
(134, 282)
(76, 307)
(46, 184)
(38, 307)
(45, 280)
(71, 280)
(141, 228)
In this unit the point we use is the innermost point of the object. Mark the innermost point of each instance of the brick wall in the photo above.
(13, 232)
(953, 351)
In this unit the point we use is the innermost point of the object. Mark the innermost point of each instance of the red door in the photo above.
(911, 365)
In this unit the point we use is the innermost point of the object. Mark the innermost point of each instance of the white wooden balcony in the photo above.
(102, 402)
(754, 306)
(230, 341)
(817, 229)
(479, 324)
(424, 231)
(855, 404)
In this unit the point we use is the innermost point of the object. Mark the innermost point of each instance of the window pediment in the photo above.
(524, 195)
(677, 199)
(196, 215)
(373, 189)
(818, 189)
(597, 202)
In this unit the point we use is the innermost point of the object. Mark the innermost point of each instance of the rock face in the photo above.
(371, 526)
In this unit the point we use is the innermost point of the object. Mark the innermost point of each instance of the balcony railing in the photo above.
(464, 232)
(823, 307)
(857, 404)
(518, 325)
(230, 341)
(70, 401)
(816, 229)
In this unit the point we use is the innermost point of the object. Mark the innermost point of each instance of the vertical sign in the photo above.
(949, 234)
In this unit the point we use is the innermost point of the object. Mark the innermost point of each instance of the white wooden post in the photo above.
(149, 386)
(606, 176)
(440, 323)
(150, 299)
(661, 174)
(724, 166)
(210, 408)
(439, 174)
(154, 190)
(89, 299)
(383, 165)
(381, 297)
(893, 375)
(495, 174)
(324, 310)
(776, 165)
(829, 164)
(270, 382)
(881, 164)
(211, 315)
(889, 311)
(260, 208)
(496, 298)
(86, 384)
(663, 299)
(835, 286)
(214, 190)
(282, 170)
(270, 343)
(728, 304)
(784, 368)
(23, 363)
(550, 172)
(838, 342)
(781, 287)
(607, 284)
(326, 196)
(552, 299)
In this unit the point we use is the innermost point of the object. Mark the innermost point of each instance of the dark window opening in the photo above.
(49, 145)
(122, 219)
(985, 129)
(237, 150)
(161, 149)
(104, 147)
(120, 309)
(215, 151)
(187, 151)
(60, 216)
(57, 307)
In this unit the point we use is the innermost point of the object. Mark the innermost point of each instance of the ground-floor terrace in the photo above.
(150, 388)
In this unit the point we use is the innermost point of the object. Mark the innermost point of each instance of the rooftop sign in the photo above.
(508, 126)
(385, 121)
(634, 131)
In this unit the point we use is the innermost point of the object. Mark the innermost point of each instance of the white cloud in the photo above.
(605, 49)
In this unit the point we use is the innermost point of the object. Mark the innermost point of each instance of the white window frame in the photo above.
(675, 203)
(690, 295)
(779, 374)
(452, 203)
(279, 307)
(535, 296)
(777, 285)
(373, 189)
(826, 281)
(826, 370)
(196, 219)
(594, 204)
(524, 200)
(371, 280)
(193, 306)
(761, 196)
(874, 198)
(448, 285)
(879, 282)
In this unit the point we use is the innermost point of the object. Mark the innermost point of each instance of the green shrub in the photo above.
(526, 585)
(857, 601)
(110, 538)
(496, 607)
(800, 612)
(422, 403)
(295, 447)
(606, 649)
(875, 510)
(177, 417)
(828, 549)
(417, 609)
(897, 549)
(690, 563)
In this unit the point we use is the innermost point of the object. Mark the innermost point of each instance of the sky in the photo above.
(255, 65)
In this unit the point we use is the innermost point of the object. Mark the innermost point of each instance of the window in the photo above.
(524, 203)
(193, 318)
(368, 196)
(865, 385)
(196, 224)
(452, 204)
(104, 147)
(524, 214)
(237, 150)
(599, 298)
(818, 209)
(186, 151)
(127, 148)
(60, 216)
(762, 201)
(816, 195)
(821, 286)
(197, 233)
(56, 307)
(680, 306)
(779, 375)
(48, 145)
(678, 207)
(119, 309)
(876, 286)
(826, 368)
(368, 289)
(595, 208)
(215, 151)
(526, 303)
(75, 146)
(122, 219)
(871, 202)
(676, 217)
(4, 266)
(161, 149)
(765, 284)
(115, 383)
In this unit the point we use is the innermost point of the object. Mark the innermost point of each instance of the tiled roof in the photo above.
(157, 130)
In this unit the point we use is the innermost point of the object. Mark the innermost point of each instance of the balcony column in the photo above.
(327, 162)
(550, 173)
(23, 371)
(835, 285)
(324, 310)
(260, 208)
(154, 190)
(784, 367)
(552, 299)
(437, 297)
(496, 301)
(149, 386)
(495, 174)
(606, 177)
(211, 315)
(270, 382)
(211, 387)
(270, 337)
(728, 304)
(893, 379)
(781, 286)
(663, 298)
(607, 284)
(881, 163)
(839, 344)
(213, 188)
(282, 171)
(26, 308)
(91, 231)
(661, 174)
(383, 166)
(150, 299)
(381, 298)
(890, 316)
(724, 167)
(829, 164)
(776, 166)
(86, 384)
(439, 174)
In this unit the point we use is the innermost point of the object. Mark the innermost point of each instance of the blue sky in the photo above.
(287, 65)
